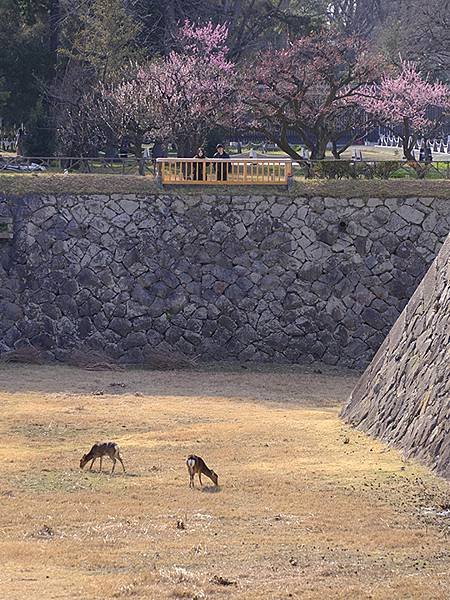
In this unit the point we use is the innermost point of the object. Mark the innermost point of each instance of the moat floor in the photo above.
(306, 507)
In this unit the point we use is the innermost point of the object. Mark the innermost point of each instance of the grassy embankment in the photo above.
(43, 183)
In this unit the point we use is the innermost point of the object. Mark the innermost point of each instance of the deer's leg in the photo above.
(191, 479)
(200, 478)
(114, 465)
(121, 462)
(92, 462)
(101, 461)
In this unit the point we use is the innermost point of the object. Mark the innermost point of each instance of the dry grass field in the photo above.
(306, 507)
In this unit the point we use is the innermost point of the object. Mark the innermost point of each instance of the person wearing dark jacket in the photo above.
(222, 170)
(422, 153)
(198, 167)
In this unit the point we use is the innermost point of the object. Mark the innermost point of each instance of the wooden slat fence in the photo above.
(218, 171)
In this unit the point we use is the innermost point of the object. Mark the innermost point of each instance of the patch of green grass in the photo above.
(45, 481)
(43, 431)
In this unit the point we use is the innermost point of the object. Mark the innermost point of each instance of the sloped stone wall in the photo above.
(219, 277)
(404, 395)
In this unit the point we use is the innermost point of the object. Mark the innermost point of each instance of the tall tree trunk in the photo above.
(407, 151)
(169, 25)
(318, 151)
(407, 147)
(54, 17)
(319, 146)
(338, 151)
(284, 145)
(48, 105)
(408, 141)
(335, 151)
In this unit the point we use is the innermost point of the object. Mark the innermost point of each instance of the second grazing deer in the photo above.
(99, 450)
(195, 464)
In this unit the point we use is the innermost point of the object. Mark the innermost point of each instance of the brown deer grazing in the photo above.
(195, 464)
(99, 450)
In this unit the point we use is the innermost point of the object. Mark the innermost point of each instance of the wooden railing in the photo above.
(219, 171)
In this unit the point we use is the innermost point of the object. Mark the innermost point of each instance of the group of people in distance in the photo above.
(221, 169)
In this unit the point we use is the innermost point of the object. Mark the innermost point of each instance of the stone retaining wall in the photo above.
(262, 278)
(404, 395)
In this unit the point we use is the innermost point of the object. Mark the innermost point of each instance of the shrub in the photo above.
(385, 169)
(333, 169)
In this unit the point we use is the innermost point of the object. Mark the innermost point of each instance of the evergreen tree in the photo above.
(25, 62)
(40, 134)
(106, 40)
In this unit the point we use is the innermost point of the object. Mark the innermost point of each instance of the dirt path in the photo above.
(306, 507)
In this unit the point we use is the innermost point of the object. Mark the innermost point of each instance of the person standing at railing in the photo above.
(222, 170)
(199, 173)
(158, 151)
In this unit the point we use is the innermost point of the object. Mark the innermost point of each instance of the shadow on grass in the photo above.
(266, 383)
(211, 489)
(109, 474)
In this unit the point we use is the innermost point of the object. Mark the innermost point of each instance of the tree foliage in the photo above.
(420, 32)
(99, 50)
(357, 17)
(25, 61)
(61, 59)
(252, 24)
(106, 39)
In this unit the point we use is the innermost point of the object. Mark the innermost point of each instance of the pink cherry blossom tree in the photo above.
(194, 85)
(178, 98)
(402, 103)
(310, 88)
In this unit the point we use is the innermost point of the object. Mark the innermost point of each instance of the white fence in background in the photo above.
(441, 145)
(7, 144)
